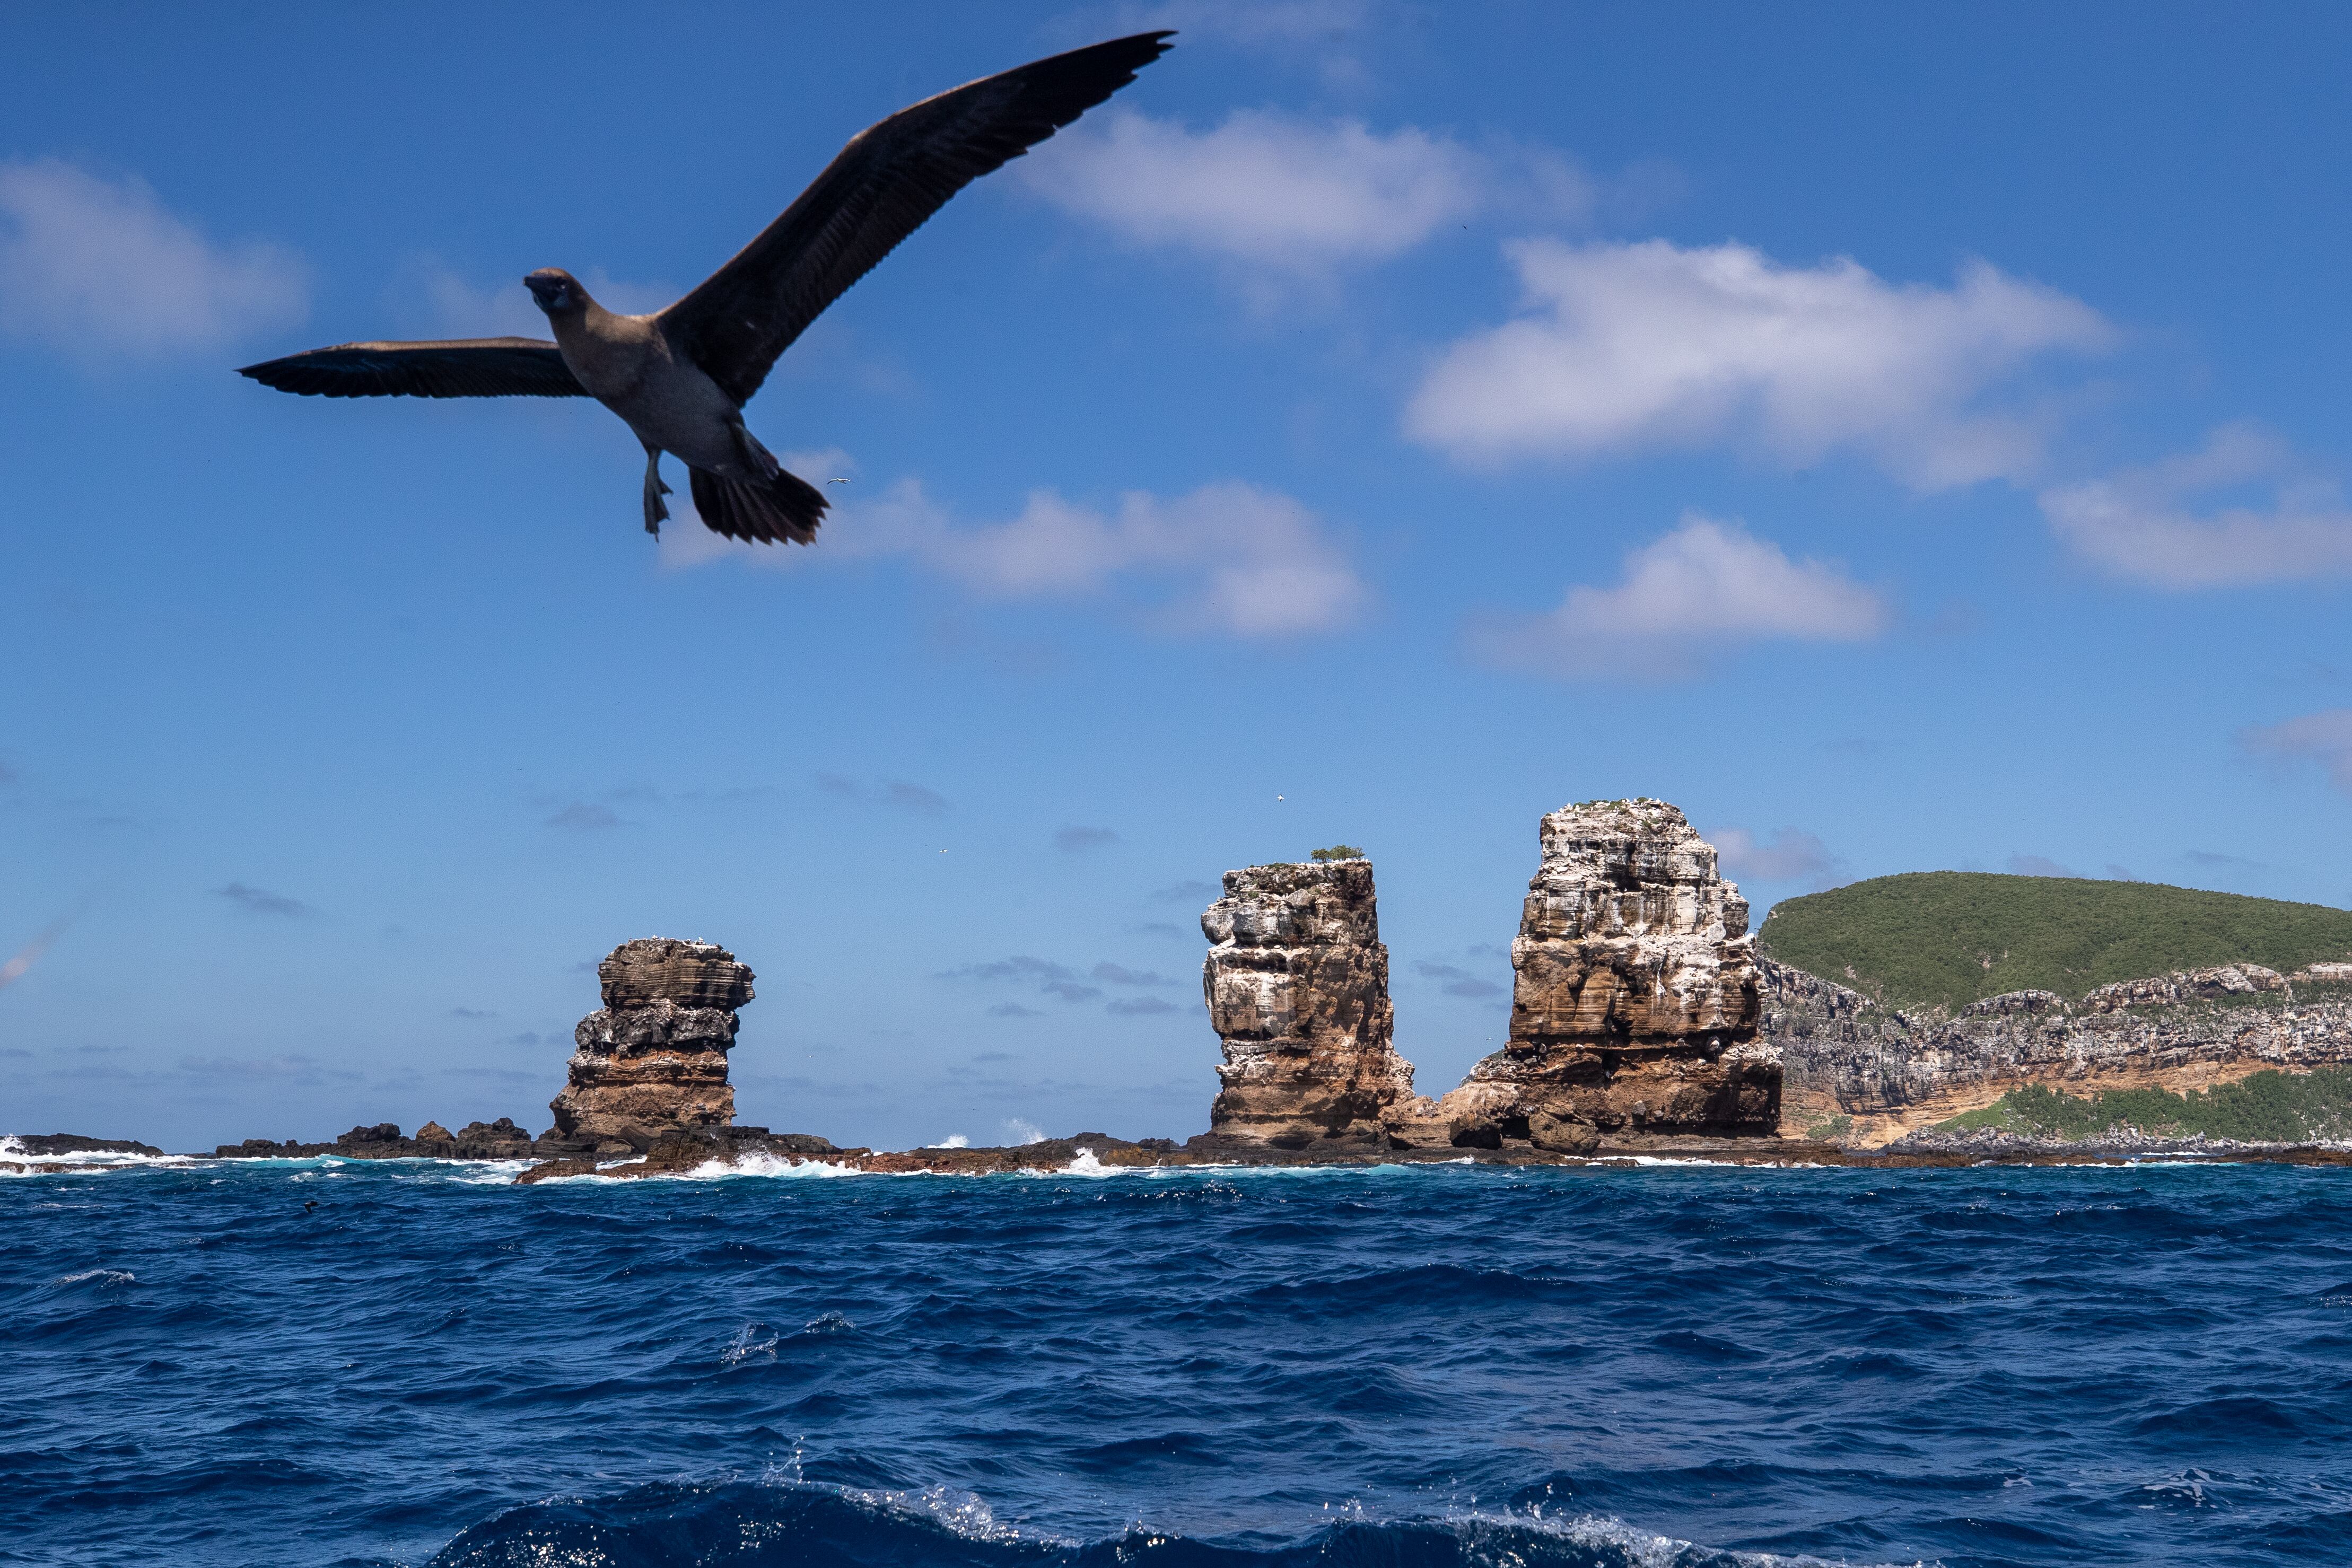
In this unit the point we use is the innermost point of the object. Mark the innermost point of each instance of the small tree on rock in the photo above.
(1339, 852)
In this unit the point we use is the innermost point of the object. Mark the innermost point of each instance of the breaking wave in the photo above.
(797, 1525)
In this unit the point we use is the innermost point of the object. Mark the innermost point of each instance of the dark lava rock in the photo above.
(75, 1144)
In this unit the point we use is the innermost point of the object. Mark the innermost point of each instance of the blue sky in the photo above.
(1906, 437)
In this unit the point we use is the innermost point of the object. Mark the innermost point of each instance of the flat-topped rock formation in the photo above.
(653, 1060)
(1634, 994)
(1878, 1074)
(1298, 986)
(1633, 1015)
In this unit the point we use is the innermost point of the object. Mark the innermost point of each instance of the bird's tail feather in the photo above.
(785, 507)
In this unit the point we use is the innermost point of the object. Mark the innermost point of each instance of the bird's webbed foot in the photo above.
(656, 511)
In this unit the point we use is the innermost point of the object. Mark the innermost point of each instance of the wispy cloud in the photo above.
(1630, 348)
(1078, 841)
(2324, 737)
(1132, 1006)
(102, 270)
(893, 793)
(1456, 981)
(1120, 975)
(1785, 854)
(259, 900)
(1229, 558)
(2140, 525)
(1701, 590)
(1056, 979)
(285, 1068)
(584, 817)
(2039, 865)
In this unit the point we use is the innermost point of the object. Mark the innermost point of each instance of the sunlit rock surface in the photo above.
(1634, 997)
(1298, 987)
(653, 1060)
(1867, 1073)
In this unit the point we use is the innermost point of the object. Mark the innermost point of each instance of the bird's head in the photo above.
(557, 291)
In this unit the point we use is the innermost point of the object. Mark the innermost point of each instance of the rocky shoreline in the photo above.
(1643, 1026)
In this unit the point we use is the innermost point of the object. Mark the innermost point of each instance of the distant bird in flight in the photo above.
(680, 377)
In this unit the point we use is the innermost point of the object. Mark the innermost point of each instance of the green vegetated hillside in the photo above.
(1946, 938)
(2268, 1107)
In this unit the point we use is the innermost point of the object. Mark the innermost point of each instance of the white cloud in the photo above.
(1787, 855)
(2325, 738)
(103, 270)
(1626, 348)
(1262, 187)
(1289, 195)
(2137, 525)
(1229, 558)
(1702, 588)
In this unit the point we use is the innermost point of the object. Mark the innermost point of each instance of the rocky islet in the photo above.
(1642, 1018)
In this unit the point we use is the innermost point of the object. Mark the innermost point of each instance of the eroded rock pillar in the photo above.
(1634, 994)
(653, 1060)
(1298, 987)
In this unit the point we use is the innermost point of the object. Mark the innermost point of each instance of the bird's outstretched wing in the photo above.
(878, 191)
(469, 367)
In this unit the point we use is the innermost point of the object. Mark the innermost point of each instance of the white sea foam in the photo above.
(1642, 1548)
(758, 1165)
(748, 1347)
(103, 1276)
(14, 1153)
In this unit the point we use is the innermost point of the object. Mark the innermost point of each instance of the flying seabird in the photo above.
(681, 376)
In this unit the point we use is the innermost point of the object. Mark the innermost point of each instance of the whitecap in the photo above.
(745, 1346)
(105, 1276)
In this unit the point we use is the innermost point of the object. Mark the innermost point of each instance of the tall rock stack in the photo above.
(653, 1060)
(1298, 986)
(1634, 1001)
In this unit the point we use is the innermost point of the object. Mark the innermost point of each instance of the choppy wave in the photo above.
(380, 1364)
(795, 1525)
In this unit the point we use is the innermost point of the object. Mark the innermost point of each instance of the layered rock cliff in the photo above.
(1298, 987)
(653, 1060)
(1872, 1073)
(1635, 999)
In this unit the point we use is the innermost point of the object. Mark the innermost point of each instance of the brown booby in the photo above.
(681, 376)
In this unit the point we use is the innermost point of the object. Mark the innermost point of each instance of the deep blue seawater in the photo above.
(1393, 1367)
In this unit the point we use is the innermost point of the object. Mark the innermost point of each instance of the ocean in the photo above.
(322, 1363)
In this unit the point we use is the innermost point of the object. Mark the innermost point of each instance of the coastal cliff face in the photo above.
(653, 1060)
(1635, 1001)
(1875, 1073)
(1298, 987)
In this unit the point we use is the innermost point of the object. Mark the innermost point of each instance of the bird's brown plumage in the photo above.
(466, 366)
(684, 392)
(876, 191)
